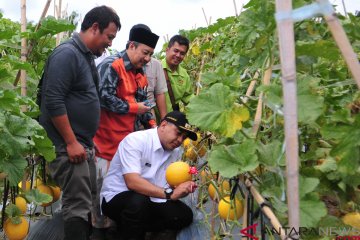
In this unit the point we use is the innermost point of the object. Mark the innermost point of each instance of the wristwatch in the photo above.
(168, 192)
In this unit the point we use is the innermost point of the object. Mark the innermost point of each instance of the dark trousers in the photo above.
(136, 214)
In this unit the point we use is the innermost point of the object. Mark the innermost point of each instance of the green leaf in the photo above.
(271, 154)
(311, 211)
(234, 159)
(352, 180)
(8, 100)
(44, 146)
(327, 165)
(273, 184)
(341, 115)
(213, 109)
(9, 144)
(309, 108)
(21, 126)
(335, 132)
(221, 76)
(310, 102)
(320, 48)
(6, 34)
(273, 95)
(349, 165)
(14, 213)
(52, 26)
(38, 198)
(307, 185)
(14, 166)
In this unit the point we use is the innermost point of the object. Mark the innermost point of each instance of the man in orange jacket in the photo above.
(123, 99)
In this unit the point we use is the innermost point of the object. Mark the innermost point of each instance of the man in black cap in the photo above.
(135, 193)
(122, 92)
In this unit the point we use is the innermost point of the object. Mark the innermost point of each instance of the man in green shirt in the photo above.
(176, 76)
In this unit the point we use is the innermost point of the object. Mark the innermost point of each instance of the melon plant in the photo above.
(236, 51)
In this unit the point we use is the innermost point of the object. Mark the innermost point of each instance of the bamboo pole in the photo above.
(345, 12)
(288, 70)
(258, 114)
(23, 53)
(198, 84)
(43, 14)
(206, 20)
(251, 87)
(58, 16)
(23, 181)
(343, 43)
(236, 12)
(47, 5)
(266, 210)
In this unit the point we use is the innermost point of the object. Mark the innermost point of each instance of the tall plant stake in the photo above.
(32, 43)
(288, 76)
(343, 43)
(23, 52)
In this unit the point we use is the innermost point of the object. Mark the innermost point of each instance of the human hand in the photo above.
(143, 108)
(76, 152)
(183, 189)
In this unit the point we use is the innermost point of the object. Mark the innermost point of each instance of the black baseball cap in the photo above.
(179, 119)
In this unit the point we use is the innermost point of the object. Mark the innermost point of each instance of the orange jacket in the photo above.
(115, 127)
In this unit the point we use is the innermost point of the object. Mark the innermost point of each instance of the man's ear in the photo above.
(95, 27)
(163, 123)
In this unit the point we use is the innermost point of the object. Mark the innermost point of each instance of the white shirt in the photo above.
(105, 54)
(139, 152)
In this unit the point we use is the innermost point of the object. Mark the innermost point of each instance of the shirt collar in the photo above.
(128, 65)
(167, 68)
(156, 140)
(81, 45)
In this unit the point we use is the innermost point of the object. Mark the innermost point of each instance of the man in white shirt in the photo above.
(135, 193)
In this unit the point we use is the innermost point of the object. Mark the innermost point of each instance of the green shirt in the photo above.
(181, 85)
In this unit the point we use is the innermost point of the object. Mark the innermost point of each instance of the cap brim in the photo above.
(191, 134)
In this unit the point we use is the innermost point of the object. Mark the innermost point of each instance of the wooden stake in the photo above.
(266, 210)
(59, 11)
(344, 45)
(251, 87)
(32, 43)
(258, 114)
(288, 72)
(43, 14)
(23, 52)
(345, 12)
(199, 77)
(236, 12)
(207, 22)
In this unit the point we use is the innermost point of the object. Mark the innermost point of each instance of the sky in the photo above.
(164, 17)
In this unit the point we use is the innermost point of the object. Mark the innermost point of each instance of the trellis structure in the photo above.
(285, 18)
